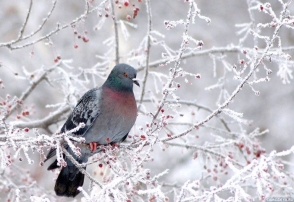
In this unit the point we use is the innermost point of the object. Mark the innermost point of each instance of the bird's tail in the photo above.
(68, 180)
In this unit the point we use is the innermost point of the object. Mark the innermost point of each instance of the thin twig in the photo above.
(45, 122)
(148, 46)
(190, 103)
(29, 90)
(57, 29)
(116, 36)
(205, 150)
(43, 23)
(23, 27)
(177, 63)
(213, 50)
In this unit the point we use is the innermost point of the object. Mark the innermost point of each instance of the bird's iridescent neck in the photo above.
(117, 85)
(117, 94)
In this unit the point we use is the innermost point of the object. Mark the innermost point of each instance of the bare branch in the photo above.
(234, 49)
(22, 29)
(57, 29)
(148, 46)
(43, 23)
(177, 62)
(204, 150)
(45, 122)
(190, 103)
(29, 90)
(116, 36)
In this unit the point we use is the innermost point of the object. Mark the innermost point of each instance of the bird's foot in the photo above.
(93, 146)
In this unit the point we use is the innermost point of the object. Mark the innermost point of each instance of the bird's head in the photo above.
(122, 77)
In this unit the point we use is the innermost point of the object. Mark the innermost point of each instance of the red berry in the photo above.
(126, 3)
(241, 145)
(135, 12)
(76, 46)
(85, 39)
(258, 153)
(128, 17)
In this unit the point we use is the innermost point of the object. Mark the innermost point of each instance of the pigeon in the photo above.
(108, 113)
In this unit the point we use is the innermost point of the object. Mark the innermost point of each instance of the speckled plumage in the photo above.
(108, 112)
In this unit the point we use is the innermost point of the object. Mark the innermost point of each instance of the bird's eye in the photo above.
(125, 74)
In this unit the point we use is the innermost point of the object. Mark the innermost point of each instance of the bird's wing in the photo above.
(86, 111)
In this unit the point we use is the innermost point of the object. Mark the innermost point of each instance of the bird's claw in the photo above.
(93, 146)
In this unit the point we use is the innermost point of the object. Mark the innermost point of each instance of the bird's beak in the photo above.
(135, 81)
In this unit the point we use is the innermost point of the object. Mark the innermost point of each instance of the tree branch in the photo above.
(25, 22)
(57, 29)
(29, 90)
(177, 63)
(45, 122)
(116, 36)
(148, 46)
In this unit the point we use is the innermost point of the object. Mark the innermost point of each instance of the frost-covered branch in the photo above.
(58, 28)
(29, 90)
(45, 122)
(147, 47)
(116, 36)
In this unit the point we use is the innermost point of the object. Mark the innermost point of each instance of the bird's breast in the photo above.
(118, 115)
(124, 101)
